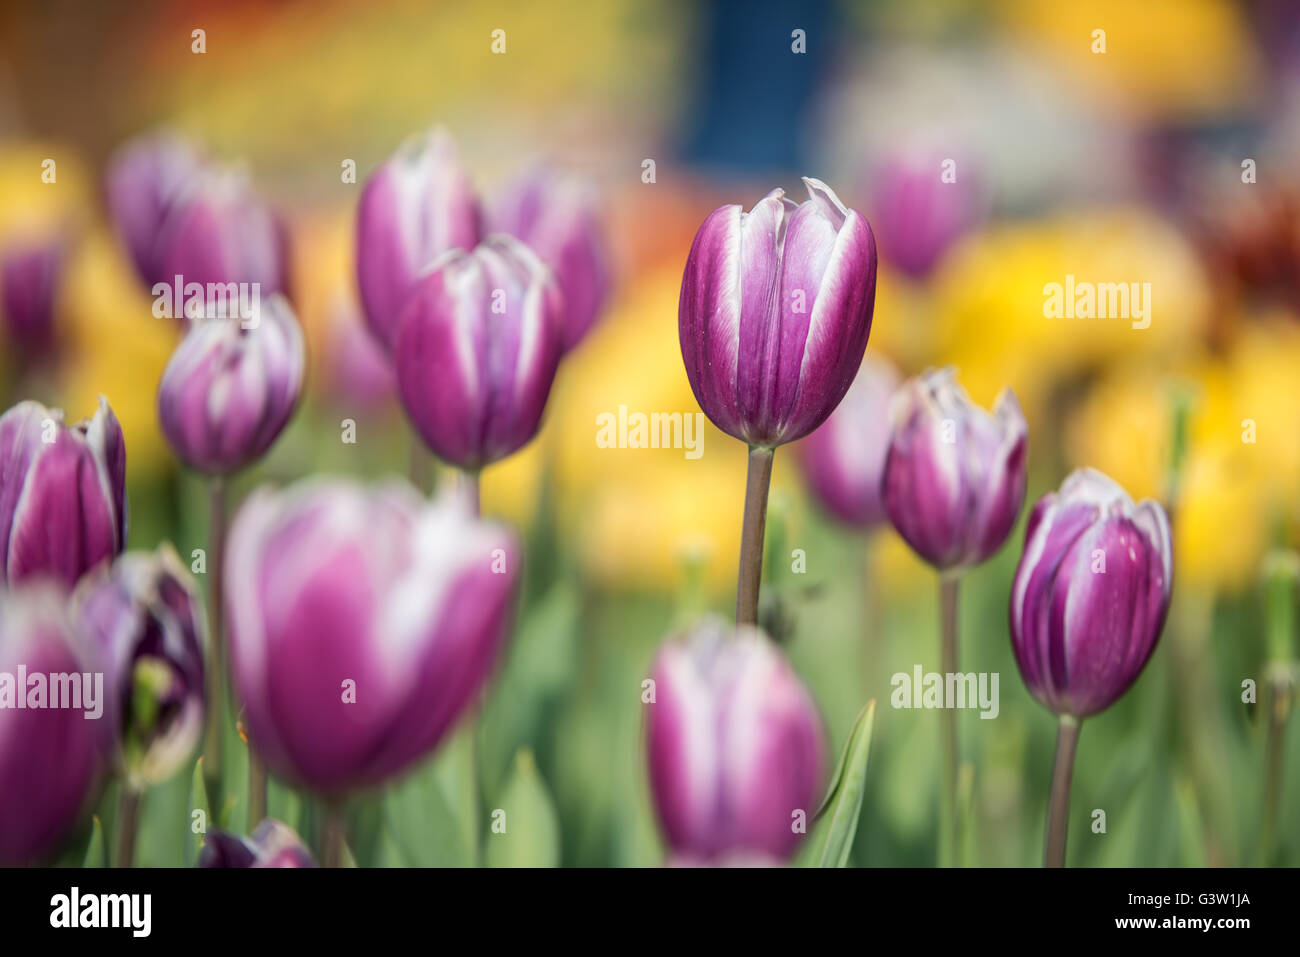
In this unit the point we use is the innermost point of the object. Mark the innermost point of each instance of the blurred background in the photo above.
(1127, 165)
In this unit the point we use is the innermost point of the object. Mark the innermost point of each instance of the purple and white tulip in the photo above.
(775, 311)
(416, 206)
(230, 387)
(918, 215)
(62, 492)
(1091, 593)
(30, 270)
(735, 744)
(844, 459)
(273, 844)
(363, 621)
(557, 217)
(954, 476)
(147, 178)
(142, 625)
(480, 340)
(49, 756)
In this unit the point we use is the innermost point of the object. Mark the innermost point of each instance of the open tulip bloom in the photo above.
(1087, 608)
(773, 319)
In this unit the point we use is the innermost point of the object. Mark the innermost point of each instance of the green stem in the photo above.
(214, 736)
(1279, 708)
(757, 482)
(421, 464)
(128, 816)
(256, 788)
(470, 489)
(1058, 808)
(948, 807)
(332, 834)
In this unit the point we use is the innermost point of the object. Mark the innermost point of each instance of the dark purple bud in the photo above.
(62, 492)
(30, 270)
(954, 475)
(775, 311)
(1090, 594)
(272, 845)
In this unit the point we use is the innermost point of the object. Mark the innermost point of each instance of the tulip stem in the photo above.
(128, 815)
(1279, 709)
(1058, 809)
(213, 742)
(256, 788)
(332, 834)
(421, 464)
(758, 481)
(948, 810)
(470, 489)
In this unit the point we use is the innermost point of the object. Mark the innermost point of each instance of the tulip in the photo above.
(272, 845)
(919, 215)
(953, 485)
(844, 459)
(49, 756)
(62, 492)
(141, 620)
(363, 622)
(29, 278)
(1087, 607)
(773, 319)
(230, 388)
(735, 747)
(954, 475)
(415, 207)
(477, 351)
(146, 180)
(218, 233)
(556, 216)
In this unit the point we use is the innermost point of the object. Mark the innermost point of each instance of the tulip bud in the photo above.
(1090, 595)
(62, 492)
(477, 351)
(29, 278)
(362, 622)
(843, 459)
(230, 387)
(954, 476)
(917, 214)
(219, 232)
(775, 311)
(415, 207)
(146, 179)
(272, 845)
(48, 749)
(556, 216)
(142, 624)
(736, 748)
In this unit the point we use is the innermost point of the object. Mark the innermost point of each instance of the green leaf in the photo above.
(837, 818)
(96, 850)
(424, 828)
(198, 802)
(525, 829)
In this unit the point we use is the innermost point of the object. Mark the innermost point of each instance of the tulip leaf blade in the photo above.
(96, 850)
(524, 829)
(198, 806)
(424, 826)
(839, 812)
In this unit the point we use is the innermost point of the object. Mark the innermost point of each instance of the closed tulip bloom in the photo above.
(142, 625)
(917, 215)
(273, 844)
(62, 492)
(29, 278)
(557, 217)
(49, 756)
(735, 746)
(954, 475)
(775, 312)
(415, 207)
(228, 390)
(844, 459)
(1090, 594)
(477, 352)
(146, 180)
(363, 621)
(220, 232)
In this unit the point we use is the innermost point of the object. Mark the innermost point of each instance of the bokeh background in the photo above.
(1120, 166)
